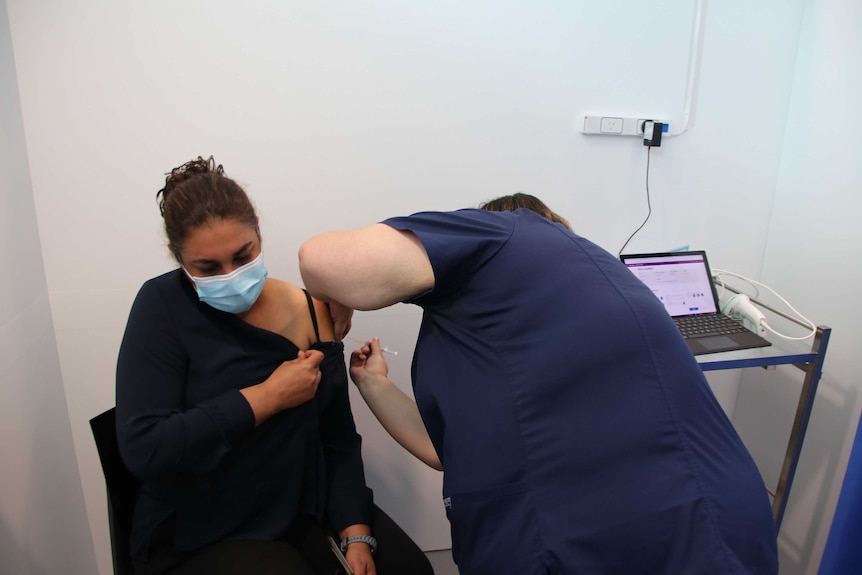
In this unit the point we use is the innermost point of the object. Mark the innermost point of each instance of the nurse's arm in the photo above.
(366, 268)
(396, 412)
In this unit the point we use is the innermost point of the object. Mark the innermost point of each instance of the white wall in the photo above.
(337, 114)
(812, 258)
(41, 499)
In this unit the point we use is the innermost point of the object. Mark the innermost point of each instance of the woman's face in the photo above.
(219, 247)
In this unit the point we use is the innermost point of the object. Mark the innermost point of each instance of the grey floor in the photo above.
(442, 562)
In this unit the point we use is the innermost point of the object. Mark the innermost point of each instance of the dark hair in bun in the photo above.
(197, 193)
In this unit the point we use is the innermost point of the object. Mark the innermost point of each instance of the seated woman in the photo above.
(232, 408)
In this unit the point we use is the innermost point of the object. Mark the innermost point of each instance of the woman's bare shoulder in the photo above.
(295, 298)
(286, 294)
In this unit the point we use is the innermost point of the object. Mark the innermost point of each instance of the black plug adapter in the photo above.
(652, 133)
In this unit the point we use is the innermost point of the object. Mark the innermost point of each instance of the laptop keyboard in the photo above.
(707, 325)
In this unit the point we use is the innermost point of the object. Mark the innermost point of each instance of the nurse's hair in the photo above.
(520, 200)
(197, 193)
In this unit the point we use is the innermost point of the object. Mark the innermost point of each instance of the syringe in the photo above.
(383, 349)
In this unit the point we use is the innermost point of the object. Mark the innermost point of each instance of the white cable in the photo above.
(765, 324)
(717, 273)
(717, 277)
(694, 57)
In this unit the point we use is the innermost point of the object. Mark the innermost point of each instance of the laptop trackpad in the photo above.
(711, 344)
(717, 342)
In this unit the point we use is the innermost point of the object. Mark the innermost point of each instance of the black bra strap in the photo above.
(313, 314)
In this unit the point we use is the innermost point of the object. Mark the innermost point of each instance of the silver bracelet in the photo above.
(371, 541)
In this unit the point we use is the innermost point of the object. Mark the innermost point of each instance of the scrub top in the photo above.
(576, 430)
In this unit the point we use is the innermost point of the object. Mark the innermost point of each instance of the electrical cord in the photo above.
(649, 205)
(716, 276)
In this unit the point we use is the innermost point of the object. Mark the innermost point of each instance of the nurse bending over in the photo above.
(576, 431)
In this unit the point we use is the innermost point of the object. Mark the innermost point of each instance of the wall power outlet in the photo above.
(618, 126)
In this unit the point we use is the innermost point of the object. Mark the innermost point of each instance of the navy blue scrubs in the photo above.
(577, 432)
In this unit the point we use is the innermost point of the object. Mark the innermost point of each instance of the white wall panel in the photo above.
(812, 259)
(339, 114)
(41, 502)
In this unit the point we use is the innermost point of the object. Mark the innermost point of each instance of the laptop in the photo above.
(682, 281)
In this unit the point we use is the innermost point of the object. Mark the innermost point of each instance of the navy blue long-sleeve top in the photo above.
(187, 432)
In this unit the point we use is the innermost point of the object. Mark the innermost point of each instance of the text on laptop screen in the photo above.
(681, 282)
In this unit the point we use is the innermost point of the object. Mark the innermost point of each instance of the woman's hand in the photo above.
(295, 382)
(292, 383)
(359, 558)
(358, 553)
(367, 365)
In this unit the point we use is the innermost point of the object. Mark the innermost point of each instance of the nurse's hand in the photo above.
(367, 365)
(393, 408)
(342, 319)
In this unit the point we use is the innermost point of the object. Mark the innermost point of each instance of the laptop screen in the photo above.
(681, 281)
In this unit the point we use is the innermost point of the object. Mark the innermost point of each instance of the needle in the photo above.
(383, 349)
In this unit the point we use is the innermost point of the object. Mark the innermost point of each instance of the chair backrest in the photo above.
(122, 488)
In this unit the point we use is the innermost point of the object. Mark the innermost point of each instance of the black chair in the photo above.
(122, 489)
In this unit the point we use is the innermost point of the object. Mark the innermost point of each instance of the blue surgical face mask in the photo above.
(235, 292)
